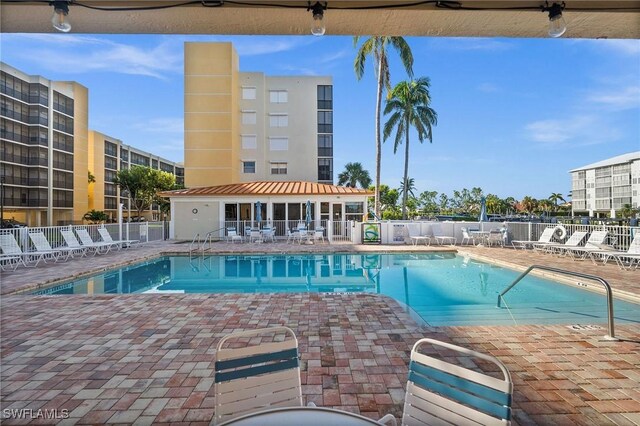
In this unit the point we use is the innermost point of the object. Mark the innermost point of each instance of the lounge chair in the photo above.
(106, 237)
(440, 393)
(595, 242)
(232, 235)
(574, 241)
(8, 262)
(413, 229)
(263, 374)
(545, 238)
(439, 236)
(88, 242)
(624, 259)
(71, 241)
(11, 250)
(41, 244)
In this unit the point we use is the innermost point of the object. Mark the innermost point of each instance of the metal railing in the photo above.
(197, 245)
(607, 287)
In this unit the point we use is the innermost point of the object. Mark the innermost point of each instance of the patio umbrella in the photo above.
(308, 218)
(258, 212)
(483, 210)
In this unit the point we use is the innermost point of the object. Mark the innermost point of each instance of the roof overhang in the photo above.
(585, 18)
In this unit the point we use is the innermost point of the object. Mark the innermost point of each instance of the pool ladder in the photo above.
(197, 246)
(607, 287)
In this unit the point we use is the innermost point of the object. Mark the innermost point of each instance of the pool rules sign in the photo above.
(371, 233)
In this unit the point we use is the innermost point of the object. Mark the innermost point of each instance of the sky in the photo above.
(514, 115)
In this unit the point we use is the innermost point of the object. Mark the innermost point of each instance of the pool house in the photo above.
(280, 205)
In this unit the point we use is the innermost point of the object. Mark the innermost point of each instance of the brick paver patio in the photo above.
(149, 358)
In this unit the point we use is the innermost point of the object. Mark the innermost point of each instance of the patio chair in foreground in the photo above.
(624, 259)
(545, 238)
(264, 373)
(439, 236)
(11, 249)
(106, 237)
(88, 242)
(440, 393)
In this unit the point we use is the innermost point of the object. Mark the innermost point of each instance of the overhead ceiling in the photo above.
(583, 18)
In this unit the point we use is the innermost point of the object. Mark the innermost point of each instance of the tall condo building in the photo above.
(245, 126)
(108, 155)
(47, 151)
(43, 148)
(606, 186)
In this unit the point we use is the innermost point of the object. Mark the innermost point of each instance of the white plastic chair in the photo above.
(11, 250)
(439, 236)
(232, 235)
(440, 393)
(264, 373)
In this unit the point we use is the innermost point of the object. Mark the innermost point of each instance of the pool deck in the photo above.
(149, 358)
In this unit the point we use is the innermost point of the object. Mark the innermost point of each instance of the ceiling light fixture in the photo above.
(317, 11)
(557, 24)
(59, 18)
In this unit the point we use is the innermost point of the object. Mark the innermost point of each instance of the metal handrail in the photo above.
(195, 238)
(607, 287)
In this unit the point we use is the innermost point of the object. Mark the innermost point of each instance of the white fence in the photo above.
(334, 231)
(397, 232)
(142, 231)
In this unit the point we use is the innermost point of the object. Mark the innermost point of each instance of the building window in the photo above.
(325, 97)
(249, 141)
(278, 96)
(325, 169)
(325, 145)
(249, 117)
(248, 166)
(249, 93)
(278, 168)
(278, 144)
(325, 121)
(278, 120)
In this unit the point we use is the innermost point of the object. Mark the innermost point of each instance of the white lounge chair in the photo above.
(574, 241)
(11, 250)
(8, 262)
(413, 230)
(263, 374)
(88, 242)
(41, 244)
(439, 236)
(595, 242)
(72, 242)
(545, 238)
(624, 259)
(106, 237)
(495, 237)
(441, 393)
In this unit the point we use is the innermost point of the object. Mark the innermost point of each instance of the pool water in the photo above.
(443, 288)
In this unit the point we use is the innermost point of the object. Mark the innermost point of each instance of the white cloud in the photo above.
(269, 45)
(617, 100)
(84, 54)
(578, 130)
(624, 47)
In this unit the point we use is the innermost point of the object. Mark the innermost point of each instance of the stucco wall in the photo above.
(188, 223)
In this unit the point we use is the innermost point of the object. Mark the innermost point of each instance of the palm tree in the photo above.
(354, 174)
(411, 187)
(377, 48)
(555, 197)
(409, 107)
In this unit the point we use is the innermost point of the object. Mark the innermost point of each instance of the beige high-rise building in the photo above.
(108, 155)
(245, 126)
(43, 147)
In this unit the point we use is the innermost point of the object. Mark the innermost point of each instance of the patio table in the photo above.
(308, 416)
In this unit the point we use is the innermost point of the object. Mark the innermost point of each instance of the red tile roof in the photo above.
(268, 188)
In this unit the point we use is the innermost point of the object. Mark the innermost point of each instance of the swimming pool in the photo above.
(442, 288)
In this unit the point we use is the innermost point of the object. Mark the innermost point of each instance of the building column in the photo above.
(50, 159)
